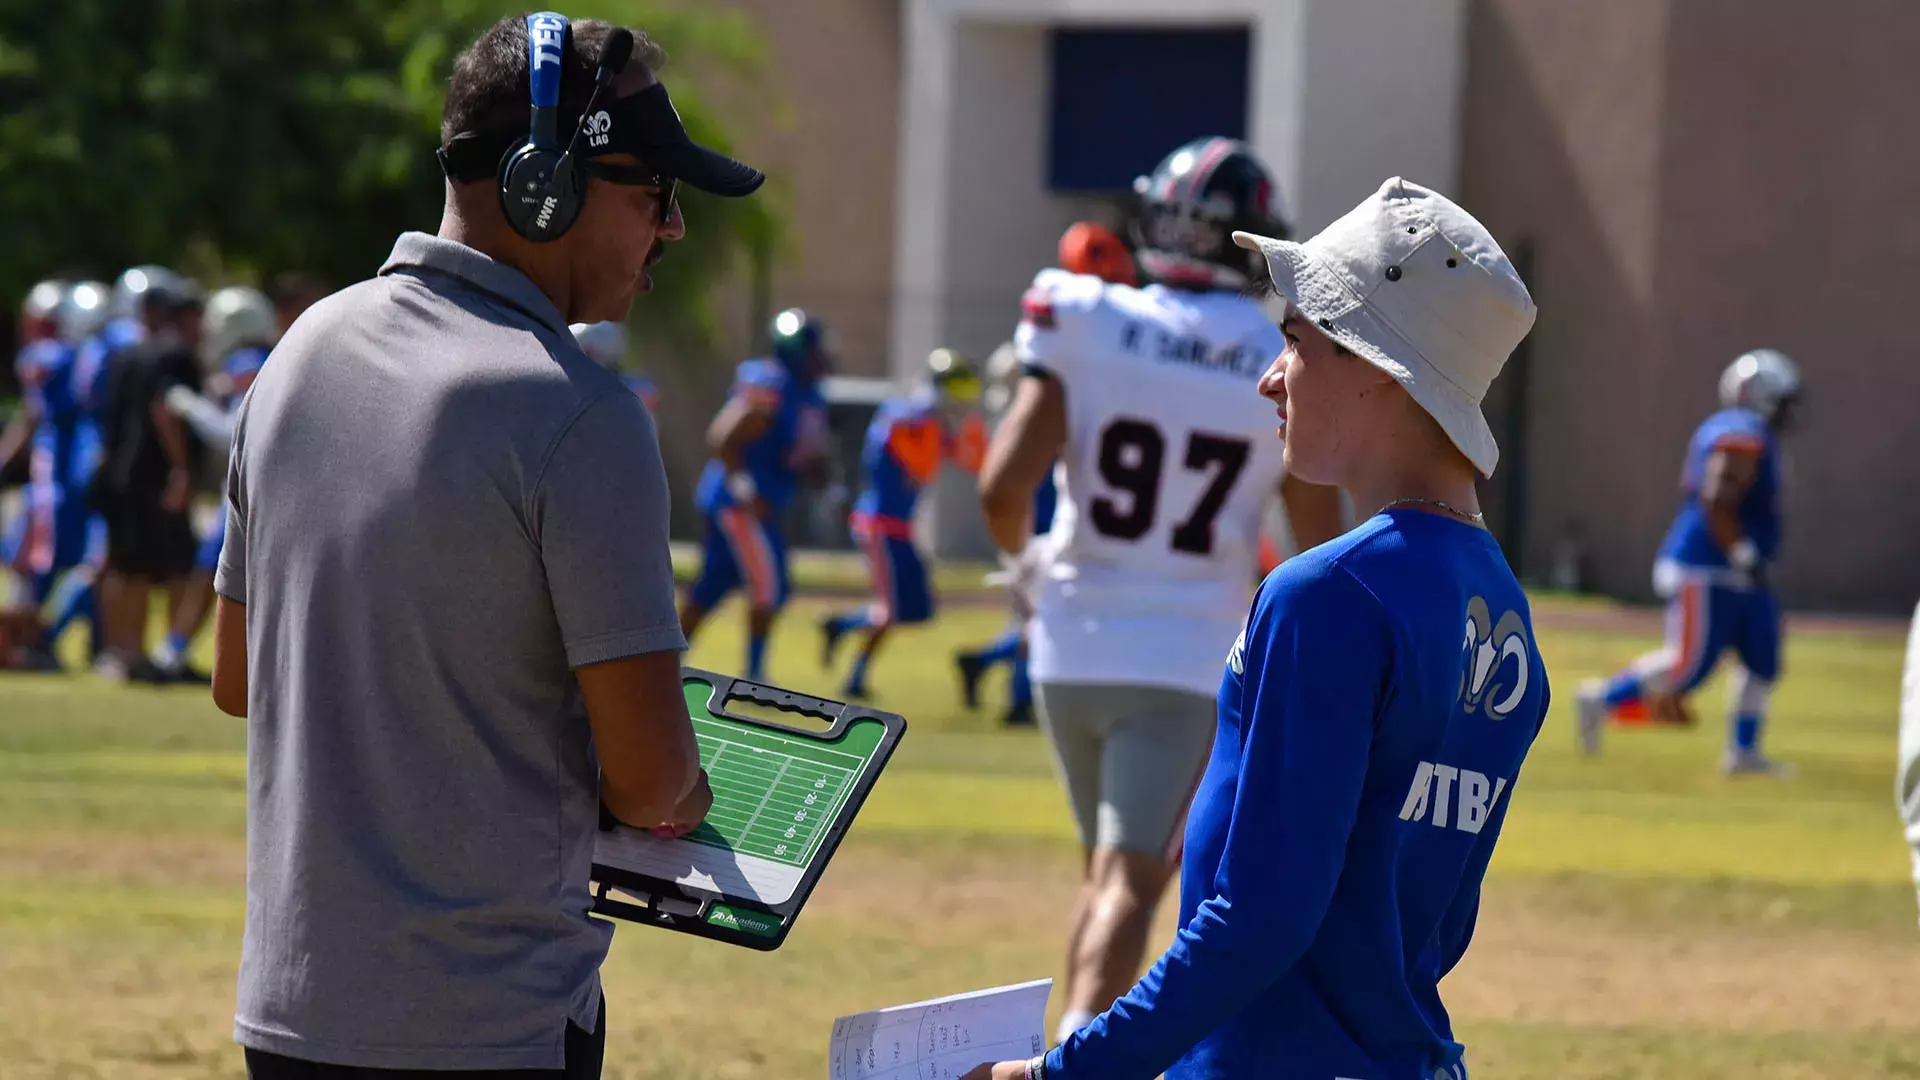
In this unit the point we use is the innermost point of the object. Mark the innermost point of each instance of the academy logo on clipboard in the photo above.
(750, 922)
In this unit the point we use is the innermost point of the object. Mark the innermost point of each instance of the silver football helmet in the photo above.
(136, 283)
(604, 342)
(236, 318)
(83, 310)
(1763, 381)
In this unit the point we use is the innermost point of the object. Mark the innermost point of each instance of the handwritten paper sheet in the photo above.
(941, 1039)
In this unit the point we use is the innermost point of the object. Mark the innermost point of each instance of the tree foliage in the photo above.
(239, 138)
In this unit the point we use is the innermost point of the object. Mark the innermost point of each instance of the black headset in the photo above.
(541, 192)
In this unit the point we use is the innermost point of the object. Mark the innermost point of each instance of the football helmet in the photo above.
(1190, 207)
(1763, 381)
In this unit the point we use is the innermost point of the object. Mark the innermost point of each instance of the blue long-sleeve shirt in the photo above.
(1373, 717)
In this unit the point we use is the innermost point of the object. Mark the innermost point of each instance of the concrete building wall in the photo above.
(1363, 89)
(1002, 224)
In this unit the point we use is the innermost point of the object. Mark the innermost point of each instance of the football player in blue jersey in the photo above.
(58, 545)
(93, 363)
(908, 441)
(768, 440)
(1712, 569)
(42, 353)
(42, 367)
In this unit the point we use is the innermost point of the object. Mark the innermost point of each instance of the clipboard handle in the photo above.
(726, 690)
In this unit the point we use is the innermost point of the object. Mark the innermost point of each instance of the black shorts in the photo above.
(144, 539)
(584, 1055)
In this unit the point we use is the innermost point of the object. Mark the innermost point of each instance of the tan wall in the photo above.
(1789, 220)
(1695, 179)
(826, 133)
(1560, 131)
(823, 123)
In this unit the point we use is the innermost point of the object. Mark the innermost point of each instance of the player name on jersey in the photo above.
(1169, 347)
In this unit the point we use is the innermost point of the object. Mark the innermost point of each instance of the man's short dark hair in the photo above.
(488, 91)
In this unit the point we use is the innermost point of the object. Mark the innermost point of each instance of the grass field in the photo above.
(1645, 918)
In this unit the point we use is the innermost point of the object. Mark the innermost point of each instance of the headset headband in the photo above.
(546, 55)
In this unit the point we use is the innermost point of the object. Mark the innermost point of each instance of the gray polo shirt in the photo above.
(438, 508)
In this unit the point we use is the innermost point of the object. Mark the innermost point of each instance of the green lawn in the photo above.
(1646, 918)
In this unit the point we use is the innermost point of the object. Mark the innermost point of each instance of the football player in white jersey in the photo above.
(1168, 461)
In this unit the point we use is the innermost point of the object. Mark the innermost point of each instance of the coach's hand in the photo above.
(1006, 1070)
(690, 813)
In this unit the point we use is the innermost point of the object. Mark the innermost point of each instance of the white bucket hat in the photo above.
(1417, 287)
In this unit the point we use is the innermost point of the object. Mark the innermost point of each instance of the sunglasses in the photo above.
(638, 176)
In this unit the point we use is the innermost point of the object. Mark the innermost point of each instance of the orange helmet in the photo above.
(1088, 248)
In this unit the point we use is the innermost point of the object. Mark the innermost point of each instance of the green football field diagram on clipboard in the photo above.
(774, 795)
(783, 797)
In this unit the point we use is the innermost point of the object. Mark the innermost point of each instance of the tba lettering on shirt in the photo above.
(1468, 796)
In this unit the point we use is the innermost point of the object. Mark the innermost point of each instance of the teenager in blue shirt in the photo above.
(1375, 712)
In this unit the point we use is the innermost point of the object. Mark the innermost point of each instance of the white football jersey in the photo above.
(1171, 458)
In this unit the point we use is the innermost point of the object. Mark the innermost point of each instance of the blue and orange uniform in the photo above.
(645, 389)
(58, 531)
(742, 549)
(1713, 606)
(60, 545)
(907, 443)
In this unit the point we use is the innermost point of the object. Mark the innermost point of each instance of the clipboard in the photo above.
(783, 798)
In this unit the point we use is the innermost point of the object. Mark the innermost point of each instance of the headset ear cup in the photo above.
(520, 190)
(532, 205)
(572, 199)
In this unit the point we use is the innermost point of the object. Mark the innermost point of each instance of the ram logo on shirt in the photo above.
(1440, 792)
(1493, 669)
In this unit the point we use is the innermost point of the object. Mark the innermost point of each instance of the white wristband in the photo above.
(741, 486)
(1744, 556)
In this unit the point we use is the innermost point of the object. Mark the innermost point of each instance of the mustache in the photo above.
(655, 253)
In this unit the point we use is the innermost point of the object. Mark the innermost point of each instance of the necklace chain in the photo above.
(1477, 519)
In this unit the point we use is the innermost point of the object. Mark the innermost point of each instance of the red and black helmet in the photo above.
(1190, 207)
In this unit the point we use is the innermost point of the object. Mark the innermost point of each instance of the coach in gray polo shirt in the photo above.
(447, 532)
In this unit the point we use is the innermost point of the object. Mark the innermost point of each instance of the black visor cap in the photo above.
(645, 125)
